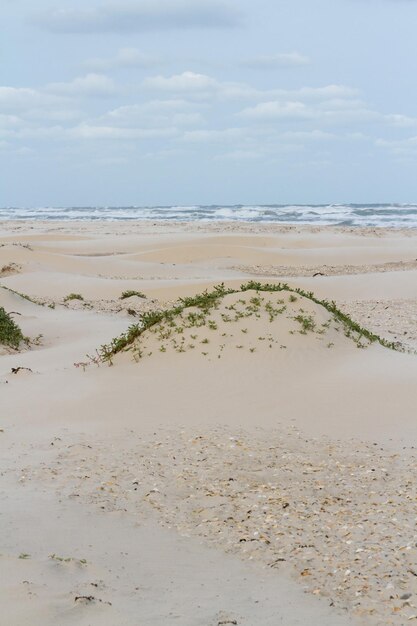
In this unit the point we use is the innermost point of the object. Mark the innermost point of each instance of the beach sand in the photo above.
(255, 467)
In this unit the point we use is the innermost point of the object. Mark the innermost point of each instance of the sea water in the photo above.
(369, 215)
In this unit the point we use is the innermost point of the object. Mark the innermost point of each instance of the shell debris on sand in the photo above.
(340, 516)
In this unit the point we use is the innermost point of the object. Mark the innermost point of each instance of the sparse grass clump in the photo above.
(9, 268)
(24, 296)
(131, 293)
(307, 323)
(10, 333)
(67, 559)
(73, 296)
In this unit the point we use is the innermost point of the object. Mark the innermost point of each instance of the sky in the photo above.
(183, 102)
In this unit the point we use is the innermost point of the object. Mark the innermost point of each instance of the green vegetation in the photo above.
(307, 323)
(68, 559)
(129, 294)
(209, 300)
(10, 333)
(24, 296)
(73, 296)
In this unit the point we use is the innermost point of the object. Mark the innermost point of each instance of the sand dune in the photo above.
(170, 486)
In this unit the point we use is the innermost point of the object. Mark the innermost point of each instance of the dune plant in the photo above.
(24, 296)
(307, 323)
(73, 296)
(209, 300)
(130, 294)
(10, 333)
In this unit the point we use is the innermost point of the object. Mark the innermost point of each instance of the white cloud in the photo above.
(402, 147)
(14, 99)
(88, 131)
(12, 150)
(20, 106)
(187, 110)
(141, 16)
(274, 61)
(176, 104)
(92, 85)
(41, 132)
(156, 114)
(201, 86)
(125, 58)
(10, 121)
(53, 114)
(340, 104)
(326, 92)
(165, 154)
(308, 135)
(329, 105)
(188, 119)
(266, 111)
(239, 155)
(208, 136)
(185, 82)
(402, 121)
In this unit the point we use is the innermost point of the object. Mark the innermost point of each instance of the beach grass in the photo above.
(10, 333)
(130, 293)
(73, 296)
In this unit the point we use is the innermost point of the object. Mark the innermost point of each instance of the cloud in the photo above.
(200, 86)
(28, 105)
(402, 121)
(14, 99)
(41, 133)
(92, 85)
(276, 61)
(141, 16)
(88, 131)
(277, 110)
(165, 106)
(151, 108)
(125, 58)
(10, 121)
(185, 82)
(399, 147)
(213, 136)
(329, 91)
(308, 135)
(332, 104)
(156, 114)
(10, 149)
(239, 155)
(191, 111)
(54, 114)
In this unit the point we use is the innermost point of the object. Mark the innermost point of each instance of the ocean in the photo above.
(369, 215)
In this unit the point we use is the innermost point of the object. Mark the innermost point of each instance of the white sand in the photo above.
(75, 442)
